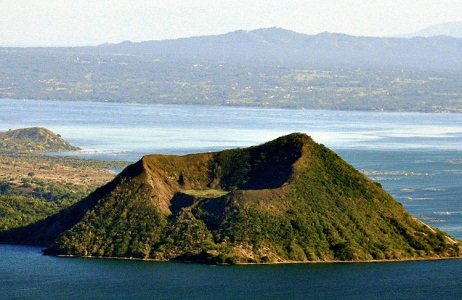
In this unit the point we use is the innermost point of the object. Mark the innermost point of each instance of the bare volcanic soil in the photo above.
(288, 200)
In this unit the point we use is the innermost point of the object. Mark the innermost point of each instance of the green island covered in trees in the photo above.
(288, 200)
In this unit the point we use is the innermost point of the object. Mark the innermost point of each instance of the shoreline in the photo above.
(243, 105)
(417, 259)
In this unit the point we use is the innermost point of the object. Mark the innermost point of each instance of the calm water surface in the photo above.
(28, 274)
(131, 130)
(416, 157)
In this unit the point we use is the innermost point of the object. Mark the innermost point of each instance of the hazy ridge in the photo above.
(270, 67)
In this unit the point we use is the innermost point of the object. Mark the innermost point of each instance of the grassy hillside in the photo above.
(288, 200)
(33, 139)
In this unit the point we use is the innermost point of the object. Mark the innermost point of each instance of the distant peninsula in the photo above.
(288, 200)
(33, 139)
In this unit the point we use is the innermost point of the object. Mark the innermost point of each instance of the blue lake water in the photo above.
(416, 157)
(25, 273)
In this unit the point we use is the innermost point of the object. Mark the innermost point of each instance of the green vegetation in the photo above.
(208, 193)
(17, 211)
(44, 190)
(33, 139)
(34, 199)
(35, 186)
(287, 200)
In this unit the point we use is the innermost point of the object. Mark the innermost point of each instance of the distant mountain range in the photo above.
(281, 46)
(270, 67)
(452, 29)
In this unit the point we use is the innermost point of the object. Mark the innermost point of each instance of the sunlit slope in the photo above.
(33, 139)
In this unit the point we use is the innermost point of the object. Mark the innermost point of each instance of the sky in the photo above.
(83, 22)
